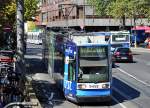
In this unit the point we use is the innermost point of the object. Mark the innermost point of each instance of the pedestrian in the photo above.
(146, 43)
(148, 46)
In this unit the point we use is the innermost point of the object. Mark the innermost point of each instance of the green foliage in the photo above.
(117, 8)
(3, 15)
(122, 8)
(100, 6)
(137, 8)
(30, 8)
(8, 11)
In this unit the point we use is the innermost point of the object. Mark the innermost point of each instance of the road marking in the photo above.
(121, 70)
(126, 97)
(122, 105)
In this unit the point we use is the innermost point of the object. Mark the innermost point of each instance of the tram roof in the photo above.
(90, 33)
(88, 39)
(120, 32)
(85, 38)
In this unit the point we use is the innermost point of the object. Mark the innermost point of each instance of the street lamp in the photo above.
(135, 34)
(134, 18)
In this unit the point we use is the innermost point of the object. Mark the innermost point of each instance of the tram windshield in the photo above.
(93, 64)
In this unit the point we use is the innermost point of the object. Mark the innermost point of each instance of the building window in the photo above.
(44, 17)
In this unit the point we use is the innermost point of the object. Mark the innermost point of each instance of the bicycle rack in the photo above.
(9, 79)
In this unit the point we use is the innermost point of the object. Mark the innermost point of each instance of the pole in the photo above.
(135, 34)
(66, 17)
(84, 15)
(20, 33)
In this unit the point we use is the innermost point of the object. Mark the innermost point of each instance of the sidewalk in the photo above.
(43, 85)
(33, 66)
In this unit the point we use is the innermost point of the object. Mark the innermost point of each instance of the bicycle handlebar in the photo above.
(21, 103)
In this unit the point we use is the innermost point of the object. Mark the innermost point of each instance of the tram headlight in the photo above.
(81, 86)
(105, 86)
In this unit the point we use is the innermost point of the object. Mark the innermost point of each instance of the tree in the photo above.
(100, 6)
(137, 9)
(8, 11)
(118, 9)
(3, 3)
(121, 9)
(30, 9)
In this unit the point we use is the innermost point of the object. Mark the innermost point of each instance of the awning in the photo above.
(141, 28)
(147, 31)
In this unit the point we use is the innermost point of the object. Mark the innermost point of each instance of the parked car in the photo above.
(122, 54)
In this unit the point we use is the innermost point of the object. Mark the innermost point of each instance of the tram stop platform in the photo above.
(43, 85)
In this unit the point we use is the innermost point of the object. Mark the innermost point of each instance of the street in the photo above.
(134, 78)
(65, 53)
(131, 82)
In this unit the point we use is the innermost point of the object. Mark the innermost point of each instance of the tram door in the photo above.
(69, 76)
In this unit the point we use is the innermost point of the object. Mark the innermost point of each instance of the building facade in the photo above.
(79, 14)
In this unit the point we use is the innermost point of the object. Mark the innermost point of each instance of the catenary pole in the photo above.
(20, 33)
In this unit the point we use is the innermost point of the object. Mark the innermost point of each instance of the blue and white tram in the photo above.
(81, 65)
(117, 38)
(120, 39)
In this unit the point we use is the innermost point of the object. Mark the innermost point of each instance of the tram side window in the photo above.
(71, 75)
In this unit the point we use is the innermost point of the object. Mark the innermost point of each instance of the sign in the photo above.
(121, 39)
(70, 50)
(92, 51)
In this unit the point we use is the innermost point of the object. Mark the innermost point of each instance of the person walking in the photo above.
(147, 42)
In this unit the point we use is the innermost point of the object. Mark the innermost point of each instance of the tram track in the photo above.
(69, 104)
(88, 105)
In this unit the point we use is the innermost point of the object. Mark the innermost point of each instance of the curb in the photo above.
(31, 94)
(29, 89)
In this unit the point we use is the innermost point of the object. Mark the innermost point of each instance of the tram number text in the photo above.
(93, 86)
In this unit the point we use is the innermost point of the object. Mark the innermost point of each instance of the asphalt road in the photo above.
(136, 79)
(131, 83)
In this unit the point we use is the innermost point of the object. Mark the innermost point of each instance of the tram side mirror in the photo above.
(80, 75)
